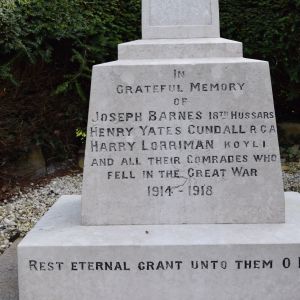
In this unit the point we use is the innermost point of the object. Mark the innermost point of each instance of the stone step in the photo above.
(60, 259)
(180, 48)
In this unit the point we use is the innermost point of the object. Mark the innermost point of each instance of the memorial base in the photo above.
(60, 259)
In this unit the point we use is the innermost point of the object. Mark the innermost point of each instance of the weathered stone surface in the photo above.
(180, 48)
(180, 19)
(182, 141)
(234, 261)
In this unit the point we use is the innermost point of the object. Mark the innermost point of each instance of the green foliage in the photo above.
(291, 154)
(270, 30)
(47, 49)
(81, 134)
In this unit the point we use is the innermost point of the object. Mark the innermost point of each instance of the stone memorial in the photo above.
(182, 194)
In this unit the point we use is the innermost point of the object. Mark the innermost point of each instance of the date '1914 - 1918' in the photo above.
(168, 191)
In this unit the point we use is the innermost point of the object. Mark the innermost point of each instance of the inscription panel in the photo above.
(161, 272)
(180, 12)
(170, 144)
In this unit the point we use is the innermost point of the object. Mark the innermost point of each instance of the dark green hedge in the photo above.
(47, 49)
(270, 30)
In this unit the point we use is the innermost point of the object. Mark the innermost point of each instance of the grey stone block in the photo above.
(60, 259)
(208, 140)
(180, 48)
(180, 19)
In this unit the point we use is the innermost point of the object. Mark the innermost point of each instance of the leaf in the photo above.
(62, 88)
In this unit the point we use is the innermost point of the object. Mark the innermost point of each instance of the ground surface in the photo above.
(19, 213)
(291, 177)
(9, 274)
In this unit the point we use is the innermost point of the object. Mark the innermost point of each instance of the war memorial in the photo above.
(182, 194)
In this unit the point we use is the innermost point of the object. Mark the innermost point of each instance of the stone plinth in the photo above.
(180, 48)
(182, 141)
(177, 262)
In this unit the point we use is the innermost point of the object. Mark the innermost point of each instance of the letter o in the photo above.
(224, 264)
(286, 263)
(176, 101)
